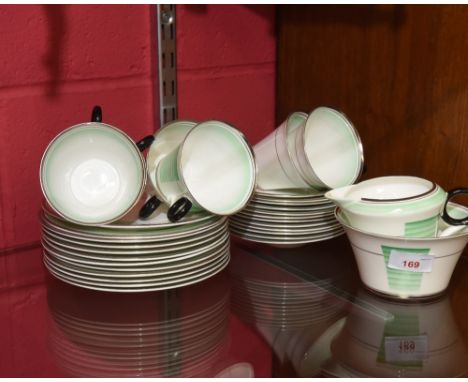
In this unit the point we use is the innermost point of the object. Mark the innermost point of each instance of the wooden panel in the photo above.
(400, 72)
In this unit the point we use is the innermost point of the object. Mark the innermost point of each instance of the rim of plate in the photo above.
(292, 203)
(282, 225)
(290, 193)
(106, 288)
(172, 268)
(131, 262)
(285, 232)
(195, 218)
(172, 246)
(136, 257)
(145, 236)
(286, 219)
(254, 211)
(292, 209)
(135, 282)
(147, 276)
(308, 239)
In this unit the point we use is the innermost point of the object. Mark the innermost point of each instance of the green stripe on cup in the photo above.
(168, 168)
(402, 325)
(400, 279)
(422, 228)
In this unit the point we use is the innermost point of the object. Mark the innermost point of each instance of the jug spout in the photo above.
(341, 196)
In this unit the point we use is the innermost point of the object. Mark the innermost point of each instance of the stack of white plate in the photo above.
(142, 256)
(287, 218)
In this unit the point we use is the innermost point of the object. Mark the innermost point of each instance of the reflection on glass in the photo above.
(289, 310)
(180, 333)
(421, 340)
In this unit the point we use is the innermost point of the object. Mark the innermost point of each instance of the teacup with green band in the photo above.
(212, 168)
(321, 150)
(93, 173)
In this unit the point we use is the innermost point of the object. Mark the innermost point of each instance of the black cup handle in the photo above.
(149, 207)
(96, 115)
(179, 209)
(445, 216)
(144, 143)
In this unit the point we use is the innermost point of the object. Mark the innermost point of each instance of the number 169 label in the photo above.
(411, 262)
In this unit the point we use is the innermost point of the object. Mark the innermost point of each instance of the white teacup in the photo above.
(213, 168)
(92, 173)
(274, 156)
(322, 151)
(402, 206)
(328, 149)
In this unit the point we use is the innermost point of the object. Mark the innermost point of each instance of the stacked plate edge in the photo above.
(286, 218)
(138, 257)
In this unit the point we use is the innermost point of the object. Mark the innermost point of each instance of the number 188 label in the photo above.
(411, 348)
(408, 261)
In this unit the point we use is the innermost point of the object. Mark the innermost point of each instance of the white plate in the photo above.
(157, 257)
(204, 261)
(282, 235)
(291, 209)
(76, 245)
(129, 236)
(88, 276)
(159, 221)
(295, 214)
(296, 193)
(286, 219)
(271, 230)
(117, 287)
(288, 226)
(290, 202)
(284, 240)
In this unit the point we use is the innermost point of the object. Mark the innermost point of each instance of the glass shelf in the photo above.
(297, 312)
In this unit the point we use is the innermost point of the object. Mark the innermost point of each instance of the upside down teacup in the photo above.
(403, 206)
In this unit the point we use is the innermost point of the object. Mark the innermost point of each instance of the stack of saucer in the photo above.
(142, 256)
(286, 218)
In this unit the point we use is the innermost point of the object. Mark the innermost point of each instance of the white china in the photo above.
(213, 168)
(276, 169)
(116, 285)
(407, 267)
(136, 235)
(393, 205)
(92, 173)
(321, 151)
(286, 218)
(166, 140)
(149, 256)
(329, 149)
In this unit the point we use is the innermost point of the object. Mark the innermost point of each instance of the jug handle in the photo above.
(445, 216)
(179, 209)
